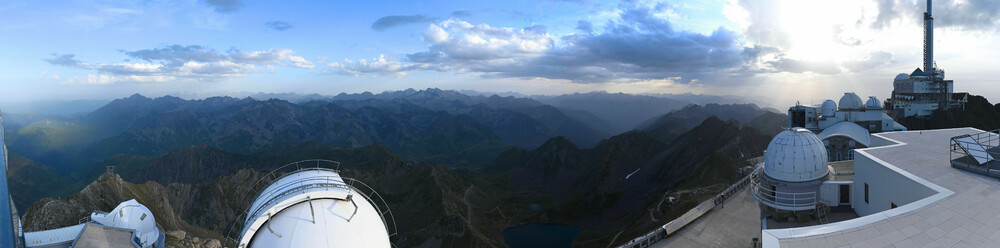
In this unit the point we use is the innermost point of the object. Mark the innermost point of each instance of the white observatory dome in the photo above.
(873, 103)
(315, 208)
(134, 216)
(829, 108)
(796, 155)
(850, 101)
(902, 76)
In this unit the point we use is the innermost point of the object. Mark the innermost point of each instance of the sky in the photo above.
(781, 51)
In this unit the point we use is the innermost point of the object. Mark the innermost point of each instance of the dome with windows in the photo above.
(795, 155)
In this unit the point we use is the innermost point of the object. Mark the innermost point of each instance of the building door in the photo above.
(845, 194)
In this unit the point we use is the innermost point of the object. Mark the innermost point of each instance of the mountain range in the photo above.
(455, 169)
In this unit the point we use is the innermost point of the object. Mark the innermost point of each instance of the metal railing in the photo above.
(778, 199)
(237, 228)
(966, 154)
(690, 216)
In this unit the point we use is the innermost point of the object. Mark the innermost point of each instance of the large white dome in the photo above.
(796, 155)
(829, 108)
(851, 101)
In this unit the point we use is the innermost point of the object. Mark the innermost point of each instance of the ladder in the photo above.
(821, 213)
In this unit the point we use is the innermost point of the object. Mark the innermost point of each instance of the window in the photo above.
(866, 192)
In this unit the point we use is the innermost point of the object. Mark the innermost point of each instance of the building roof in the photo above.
(847, 129)
(64, 236)
(961, 213)
(918, 72)
(105, 237)
(795, 155)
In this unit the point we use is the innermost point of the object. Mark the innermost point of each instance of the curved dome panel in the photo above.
(850, 101)
(795, 155)
(313, 208)
(847, 129)
(829, 108)
(873, 103)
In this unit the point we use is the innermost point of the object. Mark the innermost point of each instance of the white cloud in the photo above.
(300, 62)
(187, 63)
(382, 65)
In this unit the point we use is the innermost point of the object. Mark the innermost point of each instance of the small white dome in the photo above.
(133, 216)
(829, 108)
(796, 155)
(850, 101)
(873, 103)
(902, 76)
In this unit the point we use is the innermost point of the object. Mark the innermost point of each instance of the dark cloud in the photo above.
(980, 15)
(177, 54)
(64, 60)
(224, 6)
(638, 46)
(584, 26)
(387, 22)
(278, 25)
(461, 14)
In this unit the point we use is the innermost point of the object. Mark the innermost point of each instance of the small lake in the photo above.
(533, 235)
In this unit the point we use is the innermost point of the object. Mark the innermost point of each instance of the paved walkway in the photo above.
(735, 225)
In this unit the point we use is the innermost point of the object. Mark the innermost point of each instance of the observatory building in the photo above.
(313, 206)
(921, 92)
(844, 125)
(796, 181)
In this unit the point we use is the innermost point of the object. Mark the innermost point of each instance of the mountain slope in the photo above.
(623, 111)
(623, 178)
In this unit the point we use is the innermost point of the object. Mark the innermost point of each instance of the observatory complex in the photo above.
(845, 126)
(921, 92)
(888, 187)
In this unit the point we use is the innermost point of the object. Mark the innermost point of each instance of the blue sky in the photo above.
(782, 49)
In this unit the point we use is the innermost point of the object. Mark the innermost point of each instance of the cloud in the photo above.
(978, 15)
(461, 14)
(278, 25)
(224, 6)
(387, 22)
(636, 46)
(64, 60)
(382, 65)
(176, 62)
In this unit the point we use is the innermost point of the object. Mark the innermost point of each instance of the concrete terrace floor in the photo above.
(967, 218)
(734, 225)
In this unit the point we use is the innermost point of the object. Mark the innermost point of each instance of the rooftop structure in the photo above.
(313, 206)
(921, 92)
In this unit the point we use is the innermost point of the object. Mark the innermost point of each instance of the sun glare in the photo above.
(814, 28)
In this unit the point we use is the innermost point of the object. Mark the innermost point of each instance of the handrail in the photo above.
(300, 185)
(265, 181)
(987, 139)
(662, 232)
(779, 199)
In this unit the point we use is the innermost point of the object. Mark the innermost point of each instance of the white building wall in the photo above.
(830, 193)
(885, 186)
